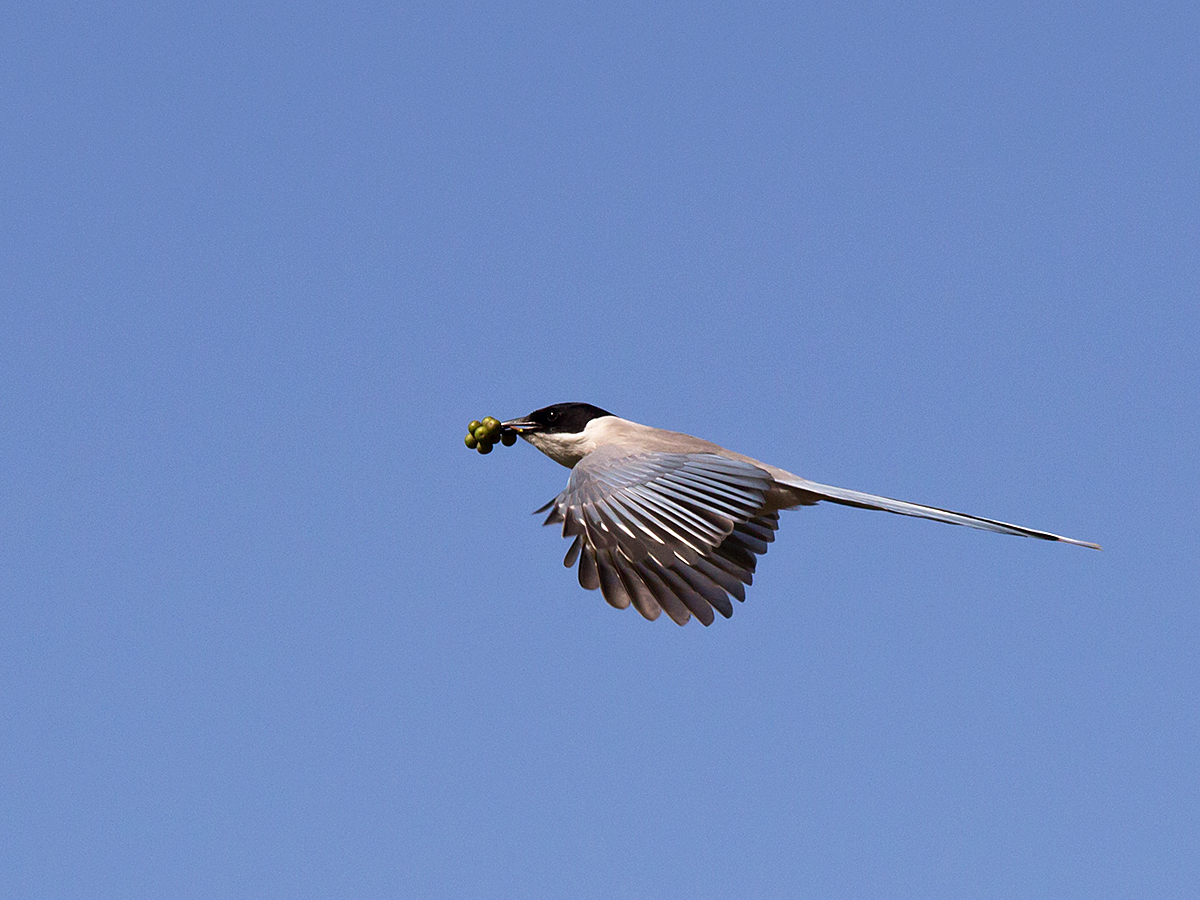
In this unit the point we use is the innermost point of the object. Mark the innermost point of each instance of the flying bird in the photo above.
(664, 521)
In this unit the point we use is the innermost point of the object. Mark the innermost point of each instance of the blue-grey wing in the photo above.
(679, 532)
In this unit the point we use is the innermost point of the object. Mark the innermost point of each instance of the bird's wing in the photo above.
(665, 531)
(847, 497)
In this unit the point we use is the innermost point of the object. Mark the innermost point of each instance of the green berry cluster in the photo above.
(482, 436)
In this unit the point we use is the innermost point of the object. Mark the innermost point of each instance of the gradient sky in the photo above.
(267, 629)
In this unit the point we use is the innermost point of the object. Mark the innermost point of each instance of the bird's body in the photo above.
(662, 520)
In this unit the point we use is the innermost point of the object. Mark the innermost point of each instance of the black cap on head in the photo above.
(561, 418)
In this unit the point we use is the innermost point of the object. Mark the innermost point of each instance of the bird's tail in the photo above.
(848, 497)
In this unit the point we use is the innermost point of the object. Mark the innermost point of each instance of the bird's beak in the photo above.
(518, 425)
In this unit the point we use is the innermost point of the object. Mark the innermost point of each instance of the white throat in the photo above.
(568, 449)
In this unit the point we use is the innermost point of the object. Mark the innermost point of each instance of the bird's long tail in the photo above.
(848, 497)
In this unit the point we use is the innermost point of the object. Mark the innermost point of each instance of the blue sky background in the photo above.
(267, 629)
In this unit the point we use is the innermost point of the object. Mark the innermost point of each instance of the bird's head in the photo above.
(559, 431)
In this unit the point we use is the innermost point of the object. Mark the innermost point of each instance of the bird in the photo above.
(666, 522)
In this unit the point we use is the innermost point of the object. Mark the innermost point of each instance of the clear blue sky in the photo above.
(267, 629)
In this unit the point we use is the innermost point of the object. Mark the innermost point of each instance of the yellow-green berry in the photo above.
(484, 447)
(471, 442)
(475, 423)
(508, 438)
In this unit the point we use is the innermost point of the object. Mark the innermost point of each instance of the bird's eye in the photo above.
(552, 415)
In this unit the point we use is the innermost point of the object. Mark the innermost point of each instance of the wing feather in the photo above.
(589, 576)
(707, 504)
(708, 589)
(643, 600)
(573, 551)
(611, 585)
(666, 532)
(729, 583)
(666, 598)
(696, 604)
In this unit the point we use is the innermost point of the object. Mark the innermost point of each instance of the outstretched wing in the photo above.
(679, 532)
